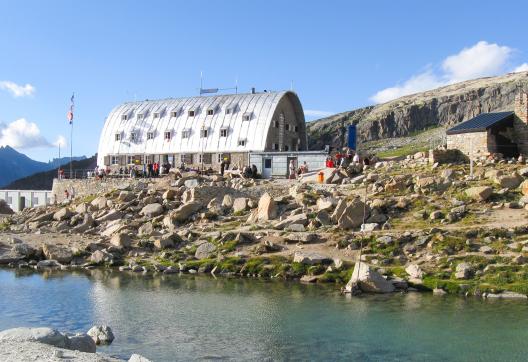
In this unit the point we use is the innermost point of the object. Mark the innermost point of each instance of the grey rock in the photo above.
(101, 334)
(368, 280)
(204, 250)
(152, 210)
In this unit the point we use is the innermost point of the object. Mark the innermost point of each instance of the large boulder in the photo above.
(479, 193)
(81, 342)
(99, 202)
(368, 280)
(42, 335)
(126, 196)
(58, 253)
(524, 188)
(101, 334)
(240, 204)
(63, 214)
(205, 250)
(309, 258)
(152, 210)
(509, 182)
(326, 203)
(353, 214)
(110, 216)
(299, 219)
(463, 271)
(267, 208)
(414, 271)
(101, 256)
(5, 209)
(138, 358)
(121, 240)
(182, 213)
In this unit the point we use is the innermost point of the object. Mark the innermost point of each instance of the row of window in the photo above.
(204, 133)
(206, 158)
(191, 113)
(287, 126)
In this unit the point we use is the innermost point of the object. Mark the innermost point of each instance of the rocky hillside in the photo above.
(418, 226)
(443, 107)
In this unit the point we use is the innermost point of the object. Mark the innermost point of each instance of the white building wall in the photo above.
(20, 199)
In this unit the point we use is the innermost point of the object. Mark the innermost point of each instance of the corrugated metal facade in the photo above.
(209, 124)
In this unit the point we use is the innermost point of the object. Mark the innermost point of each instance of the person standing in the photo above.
(292, 170)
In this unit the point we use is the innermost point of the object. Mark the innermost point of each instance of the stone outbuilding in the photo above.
(499, 132)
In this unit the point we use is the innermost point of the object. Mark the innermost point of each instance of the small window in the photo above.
(219, 158)
(246, 117)
(267, 163)
(296, 128)
(140, 116)
(133, 136)
(118, 136)
(115, 160)
(174, 114)
(223, 132)
(124, 117)
(276, 124)
(204, 133)
(210, 112)
(276, 146)
(130, 160)
(242, 143)
(167, 135)
(156, 114)
(191, 113)
(287, 127)
(229, 110)
(286, 148)
(186, 133)
(150, 135)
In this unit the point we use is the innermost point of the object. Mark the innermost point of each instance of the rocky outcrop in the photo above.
(444, 106)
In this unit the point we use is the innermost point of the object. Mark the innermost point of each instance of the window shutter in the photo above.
(107, 160)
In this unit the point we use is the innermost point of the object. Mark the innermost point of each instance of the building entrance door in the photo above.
(267, 164)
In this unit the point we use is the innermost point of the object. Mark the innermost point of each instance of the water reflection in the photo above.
(172, 317)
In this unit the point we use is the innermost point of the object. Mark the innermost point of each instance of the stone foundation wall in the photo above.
(87, 187)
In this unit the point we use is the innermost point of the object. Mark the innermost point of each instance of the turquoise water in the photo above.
(182, 318)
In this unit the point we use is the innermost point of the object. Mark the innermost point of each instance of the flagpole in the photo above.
(71, 150)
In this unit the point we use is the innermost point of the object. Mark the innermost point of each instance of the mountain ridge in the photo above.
(15, 165)
(440, 107)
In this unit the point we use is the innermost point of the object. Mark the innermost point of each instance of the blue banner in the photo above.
(352, 136)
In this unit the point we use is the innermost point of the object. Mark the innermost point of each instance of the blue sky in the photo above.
(340, 55)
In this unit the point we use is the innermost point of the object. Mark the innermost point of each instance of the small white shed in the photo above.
(275, 164)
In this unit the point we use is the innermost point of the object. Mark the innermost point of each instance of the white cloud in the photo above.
(417, 83)
(521, 68)
(317, 113)
(22, 134)
(60, 142)
(481, 60)
(17, 90)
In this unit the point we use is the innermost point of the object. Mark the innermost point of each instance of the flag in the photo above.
(70, 113)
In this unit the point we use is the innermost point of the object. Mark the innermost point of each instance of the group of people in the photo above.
(346, 158)
(294, 172)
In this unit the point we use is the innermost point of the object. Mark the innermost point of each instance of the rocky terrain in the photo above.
(442, 107)
(47, 344)
(414, 225)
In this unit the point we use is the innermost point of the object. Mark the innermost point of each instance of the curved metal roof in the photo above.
(243, 116)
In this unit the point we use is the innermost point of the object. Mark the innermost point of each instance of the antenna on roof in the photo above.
(236, 84)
